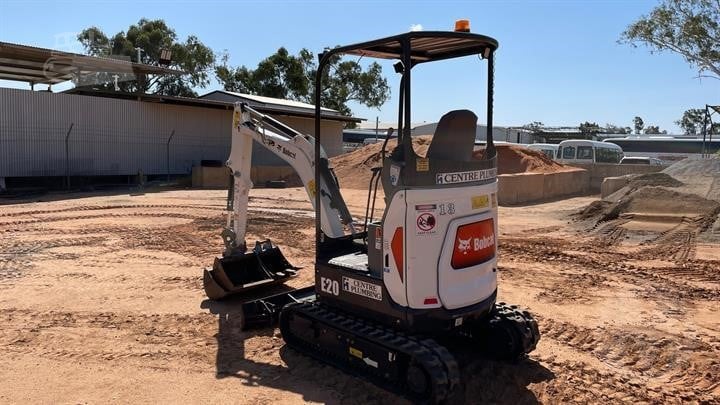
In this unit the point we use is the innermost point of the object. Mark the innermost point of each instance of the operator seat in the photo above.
(454, 137)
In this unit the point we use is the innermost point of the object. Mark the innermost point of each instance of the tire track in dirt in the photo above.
(101, 216)
(611, 232)
(161, 338)
(677, 361)
(16, 257)
(106, 207)
(558, 287)
(677, 244)
(547, 251)
(578, 382)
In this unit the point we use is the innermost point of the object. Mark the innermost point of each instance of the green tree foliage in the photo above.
(589, 129)
(152, 36)
(692, 121)
(535, 125)
(690, 28)
(652, 129)
(284, 75)
(638, 124)
(614, 129)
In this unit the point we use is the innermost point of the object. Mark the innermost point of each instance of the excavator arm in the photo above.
(241, 269)
(298, 151)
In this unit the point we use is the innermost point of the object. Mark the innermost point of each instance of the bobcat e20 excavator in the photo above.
(387, 291)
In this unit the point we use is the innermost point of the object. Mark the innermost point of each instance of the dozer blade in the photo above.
(265, 265)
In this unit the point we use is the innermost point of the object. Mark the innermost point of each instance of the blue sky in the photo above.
(558, 61)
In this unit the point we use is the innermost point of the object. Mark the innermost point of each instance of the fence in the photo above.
(47, 134)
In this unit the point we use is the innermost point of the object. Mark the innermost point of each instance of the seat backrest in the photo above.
(454, 137)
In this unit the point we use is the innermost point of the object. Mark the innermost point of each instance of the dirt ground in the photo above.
(101, 302)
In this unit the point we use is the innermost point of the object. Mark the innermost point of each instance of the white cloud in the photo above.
(416, 27)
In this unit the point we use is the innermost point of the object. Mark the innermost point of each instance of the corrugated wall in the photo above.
(120, 137)
(108, 137)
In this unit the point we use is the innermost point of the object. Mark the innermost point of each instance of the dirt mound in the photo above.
(694, 167)
(654, 179)
(661, 200)
(637, 181)
(517, 159)
(700, 175)
(353, 168)
(650, 200)
(594, 209)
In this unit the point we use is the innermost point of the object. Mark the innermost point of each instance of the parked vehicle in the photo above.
(550, 150)
(641, 160)
(584, 151)
(665, 148)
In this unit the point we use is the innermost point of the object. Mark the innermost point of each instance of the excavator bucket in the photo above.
(265, 265)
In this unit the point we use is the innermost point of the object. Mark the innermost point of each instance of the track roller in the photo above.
(419, 369)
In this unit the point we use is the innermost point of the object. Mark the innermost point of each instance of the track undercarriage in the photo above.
(414, 366)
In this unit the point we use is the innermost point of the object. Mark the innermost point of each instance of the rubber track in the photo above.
(441, 366)
(523, 324)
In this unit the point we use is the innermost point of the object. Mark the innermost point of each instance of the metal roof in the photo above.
(209, 103)
(425, 46)
(48, 66)
(279, 105)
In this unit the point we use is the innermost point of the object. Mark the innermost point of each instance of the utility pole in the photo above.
(67, 156)
(167, 150)
(377, 127)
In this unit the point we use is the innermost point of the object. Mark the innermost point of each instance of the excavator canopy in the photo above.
(424, 46)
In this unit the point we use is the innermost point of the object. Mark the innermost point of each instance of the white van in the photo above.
(550, 150)
(584, 151)
(641, 160)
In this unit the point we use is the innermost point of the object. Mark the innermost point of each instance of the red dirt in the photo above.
(353, 168)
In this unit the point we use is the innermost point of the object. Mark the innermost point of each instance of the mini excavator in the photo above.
(387, 291)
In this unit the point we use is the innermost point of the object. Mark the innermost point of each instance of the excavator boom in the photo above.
(239, 270)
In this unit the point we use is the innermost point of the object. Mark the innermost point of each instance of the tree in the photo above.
(690, 28)
(692, 121)
(534, 127)
(280, 75)
(638, 124)
(652, 129)
(152, 37)
(589, 129)
(284, 75)
(614, 129)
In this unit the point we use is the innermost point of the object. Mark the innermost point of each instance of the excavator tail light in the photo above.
(462, 25)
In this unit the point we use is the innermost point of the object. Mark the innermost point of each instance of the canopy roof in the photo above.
(425, 46)
(47, 66)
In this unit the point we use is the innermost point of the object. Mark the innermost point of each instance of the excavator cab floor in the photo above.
(264, 266)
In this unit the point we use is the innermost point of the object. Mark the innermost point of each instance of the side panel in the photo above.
(429, 216)
(394, 249)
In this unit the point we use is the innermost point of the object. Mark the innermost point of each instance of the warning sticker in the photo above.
(359, 287)
(479, 201)
(422, 164)
(311, 187)
(425, 223)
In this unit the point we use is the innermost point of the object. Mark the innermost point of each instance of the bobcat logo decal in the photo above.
(464, 245)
